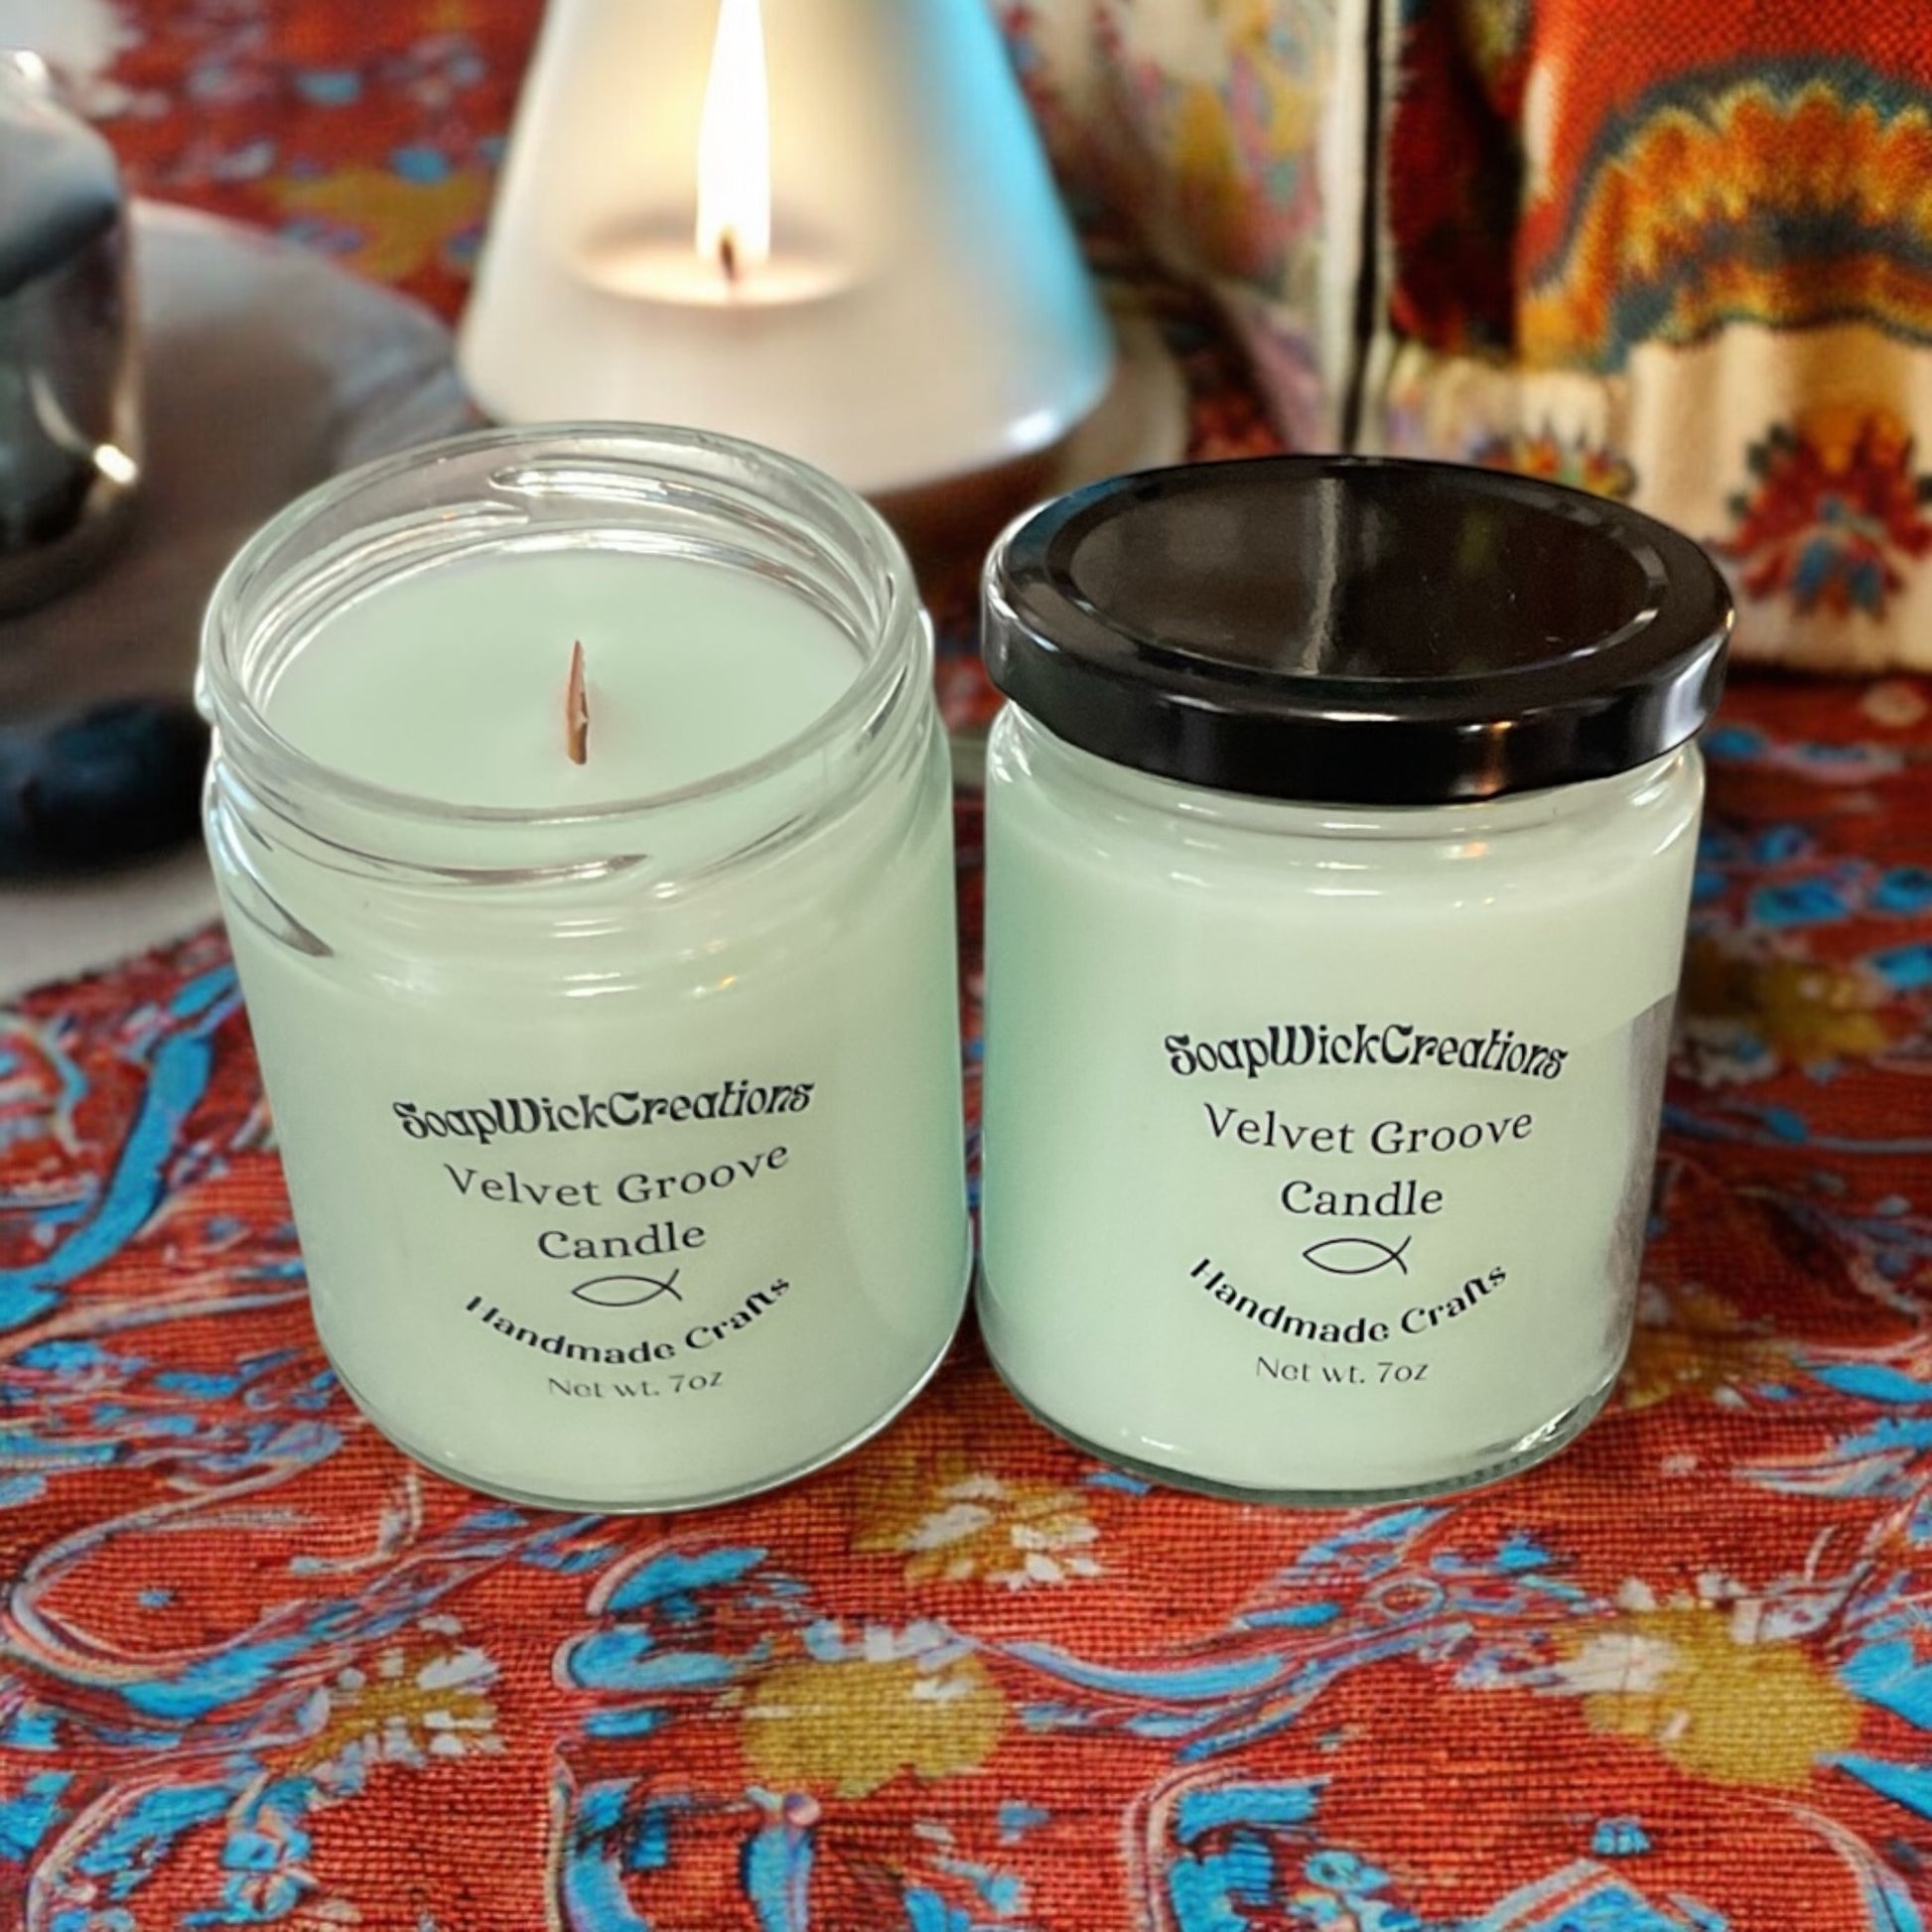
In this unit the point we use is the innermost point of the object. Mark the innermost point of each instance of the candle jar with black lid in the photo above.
(1339, 837)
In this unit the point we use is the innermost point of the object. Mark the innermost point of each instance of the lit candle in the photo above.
(735, 145)
(728, 261)
(823, 224)
(609, 1020)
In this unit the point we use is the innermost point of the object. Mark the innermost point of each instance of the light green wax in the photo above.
(449, 684)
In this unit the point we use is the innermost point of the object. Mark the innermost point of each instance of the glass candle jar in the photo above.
(611, 1030)
(1340, 838)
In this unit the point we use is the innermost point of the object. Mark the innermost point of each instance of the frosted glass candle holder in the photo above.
(905, 303)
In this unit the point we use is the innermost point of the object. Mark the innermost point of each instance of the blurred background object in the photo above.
(69, 363)
(266, 371)
(1682, 256)
(1679, 255)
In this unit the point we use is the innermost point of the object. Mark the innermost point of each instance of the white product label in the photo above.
(1320, 1257)
(632, 1229)
(1404, 1188)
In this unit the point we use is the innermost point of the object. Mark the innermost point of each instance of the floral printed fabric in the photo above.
(257, 1669)
(1682, 254)
(1676, 253)
(1226, 137)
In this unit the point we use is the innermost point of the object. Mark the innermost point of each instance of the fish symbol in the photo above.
(626, 1290)
(1356, 1254)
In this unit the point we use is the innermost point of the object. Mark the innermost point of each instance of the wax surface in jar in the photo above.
(448, 683)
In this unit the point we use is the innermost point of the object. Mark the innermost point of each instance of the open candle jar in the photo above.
(613, 1054)
(1339, 839)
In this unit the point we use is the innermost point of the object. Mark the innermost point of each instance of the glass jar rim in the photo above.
(624, 465)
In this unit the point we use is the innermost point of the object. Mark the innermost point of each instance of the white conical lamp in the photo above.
(826, 226)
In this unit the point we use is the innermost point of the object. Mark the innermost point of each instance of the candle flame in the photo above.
(735, 144)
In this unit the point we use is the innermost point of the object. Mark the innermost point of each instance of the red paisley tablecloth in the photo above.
(256, 1669)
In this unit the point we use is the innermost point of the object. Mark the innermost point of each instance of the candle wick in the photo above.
(728, 256)
(576, 709)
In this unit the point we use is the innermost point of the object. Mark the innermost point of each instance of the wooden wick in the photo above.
(576, 709)
(728, 256)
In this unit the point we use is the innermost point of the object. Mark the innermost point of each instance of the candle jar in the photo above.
(622, 1133)
(1339, 840)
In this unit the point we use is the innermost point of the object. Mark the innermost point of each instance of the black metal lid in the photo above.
(1355, 629)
